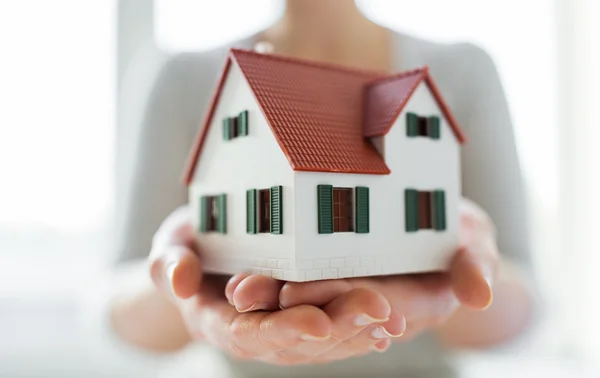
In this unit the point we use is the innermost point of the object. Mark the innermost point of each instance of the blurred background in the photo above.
(74, 78)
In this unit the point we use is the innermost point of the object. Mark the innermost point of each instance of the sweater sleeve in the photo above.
(153, 188)
(490, 164)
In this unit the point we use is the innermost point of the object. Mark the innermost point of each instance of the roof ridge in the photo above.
(312, 63)
(421, 70)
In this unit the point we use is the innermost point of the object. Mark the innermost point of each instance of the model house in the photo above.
(306, 171)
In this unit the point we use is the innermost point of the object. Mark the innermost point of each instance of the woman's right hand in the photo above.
(354, 324)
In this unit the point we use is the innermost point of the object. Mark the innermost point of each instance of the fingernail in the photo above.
(252, 307)
(381, 348)
(256, 306)
(170, 270)
(382, 333)
(307, 337)
(169, 273)
(364, 319)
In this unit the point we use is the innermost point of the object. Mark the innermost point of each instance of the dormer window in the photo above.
(422, 126)
(235, 126)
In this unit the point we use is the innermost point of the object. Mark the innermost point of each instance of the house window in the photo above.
(235, 126)
(425, 210)
(343, 209)
(424, 206)
(213, 215)
(264, 210)
(421, 126)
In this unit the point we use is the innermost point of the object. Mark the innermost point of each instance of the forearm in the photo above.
(142, 316)
(509, 314)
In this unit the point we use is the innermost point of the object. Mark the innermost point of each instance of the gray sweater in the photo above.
(469, 82)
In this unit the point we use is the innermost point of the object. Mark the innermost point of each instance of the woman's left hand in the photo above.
(425, 300)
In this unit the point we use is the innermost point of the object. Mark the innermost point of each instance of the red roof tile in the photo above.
(316, 111)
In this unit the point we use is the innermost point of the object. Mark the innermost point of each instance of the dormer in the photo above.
(385, 100)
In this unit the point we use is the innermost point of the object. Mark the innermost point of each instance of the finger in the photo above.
(382, 346)
(353, 311)
(368, 339)
(417, 295)
(232, 284)
(469, 281)
(260, 333)
(257, 292)
(176, 271)
(175, 229)
(315, 293)
(350, 314)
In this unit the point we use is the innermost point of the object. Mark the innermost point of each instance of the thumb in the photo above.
(470, 279)
(176, 272)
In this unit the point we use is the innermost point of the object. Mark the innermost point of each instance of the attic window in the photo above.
(421, 126)
(235, 126)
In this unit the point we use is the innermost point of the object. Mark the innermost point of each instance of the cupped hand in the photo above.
(243, 317)
(426, 300)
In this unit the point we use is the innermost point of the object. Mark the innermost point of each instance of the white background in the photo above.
(58, 86)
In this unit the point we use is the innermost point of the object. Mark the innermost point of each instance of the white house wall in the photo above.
(247, 162)
(426, 164)
(419, 163)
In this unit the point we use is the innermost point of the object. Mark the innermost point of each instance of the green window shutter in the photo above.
(411, 204)
(325, 209)
(204, 214)
(276, 210)
(222, 213)
(362, 210)
(226, 128)
(434, 127)
(243, 123)
(251, 211)
(412, 125)
(439, 210)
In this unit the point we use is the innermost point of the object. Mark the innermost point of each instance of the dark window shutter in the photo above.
(411, 204)
(325, 202)
(276, 210)
(439, 209)
(434, 127)
(251, 211)
(226, 128)
(362, 210)
(412, 125)
(222, 213)
(204, 213)
(243, 123)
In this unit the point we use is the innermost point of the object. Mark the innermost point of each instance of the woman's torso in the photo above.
(168, 133)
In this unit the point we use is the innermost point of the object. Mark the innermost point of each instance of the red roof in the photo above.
(316, 110)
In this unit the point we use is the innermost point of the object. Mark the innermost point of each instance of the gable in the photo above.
(386, 98)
